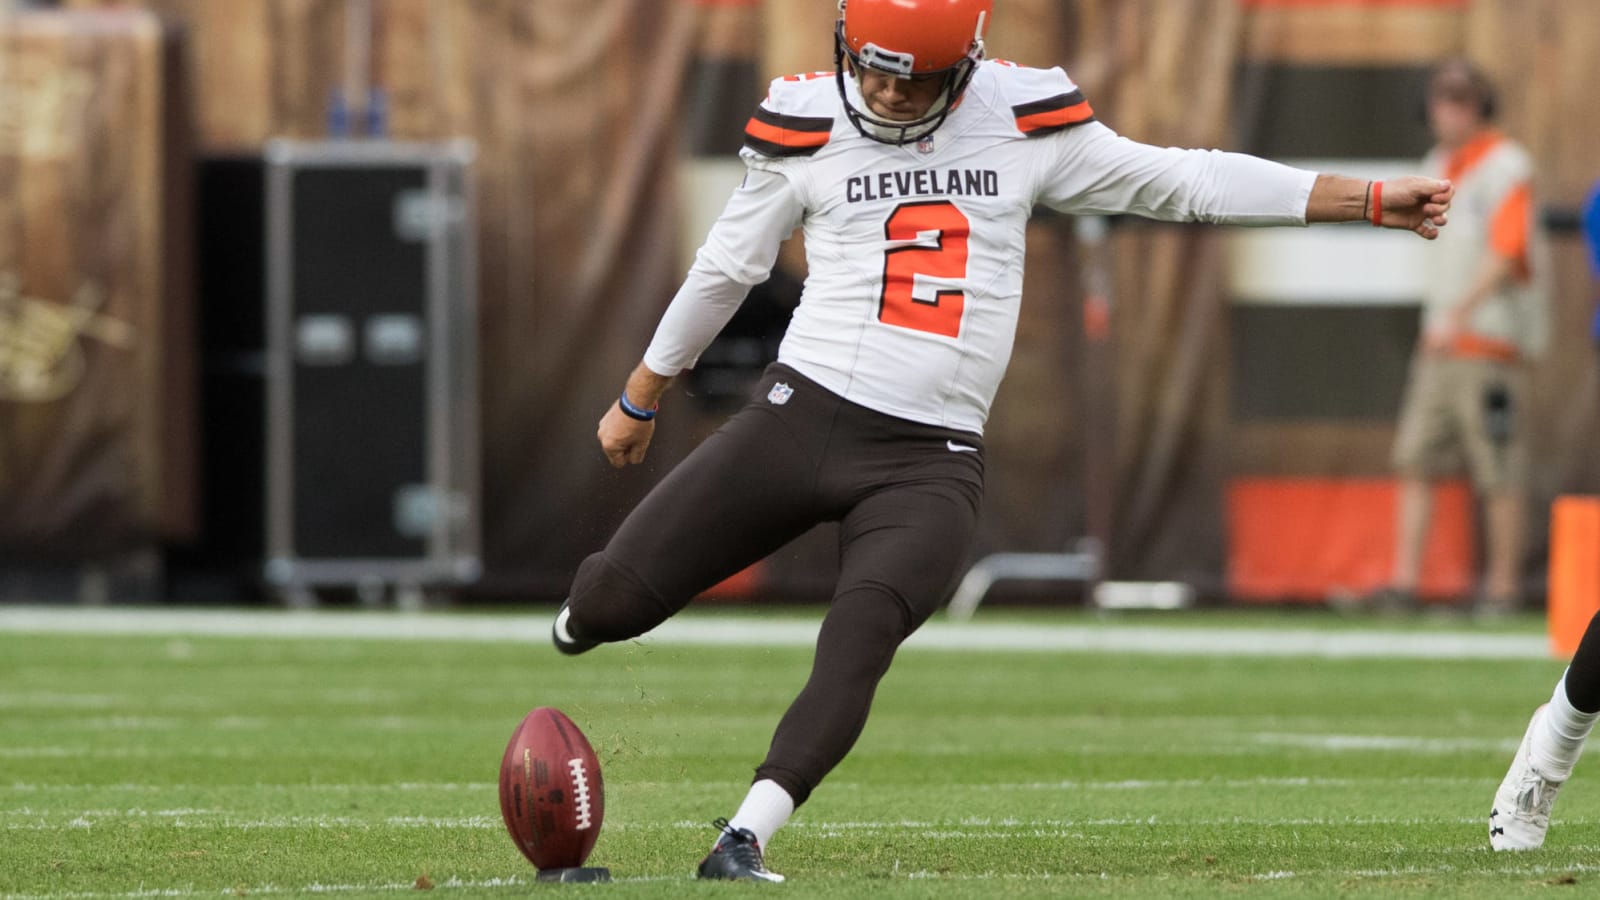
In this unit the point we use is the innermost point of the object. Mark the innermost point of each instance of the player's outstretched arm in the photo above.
(1413, 203)
(624, 438)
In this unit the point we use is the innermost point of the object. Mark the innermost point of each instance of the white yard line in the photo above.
(1210, 783)
(725, 630)
(1388, 743)
(273, 889)
(312, 788)
(1529, 871)
(1442, 869)
(1523, 871)
(319, 888)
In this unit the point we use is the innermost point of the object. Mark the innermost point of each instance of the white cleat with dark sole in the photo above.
(1521, 813)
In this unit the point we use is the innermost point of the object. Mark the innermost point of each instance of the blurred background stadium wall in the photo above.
(1250, 416)
(97, 346)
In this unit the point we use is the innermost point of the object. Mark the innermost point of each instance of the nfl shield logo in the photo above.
(925, 144)
(780, 394)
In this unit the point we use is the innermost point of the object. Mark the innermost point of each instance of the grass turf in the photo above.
(190, 766)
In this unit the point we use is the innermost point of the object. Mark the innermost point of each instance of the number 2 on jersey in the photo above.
(899, 306)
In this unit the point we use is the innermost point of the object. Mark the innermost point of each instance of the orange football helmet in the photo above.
(909, 38)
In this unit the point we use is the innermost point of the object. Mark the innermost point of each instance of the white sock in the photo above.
(1558, 741)
(764, 810)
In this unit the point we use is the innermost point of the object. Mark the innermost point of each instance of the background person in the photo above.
(1483, 320)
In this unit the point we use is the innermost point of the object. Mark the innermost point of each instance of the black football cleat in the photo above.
(563, 639)
(736, 857)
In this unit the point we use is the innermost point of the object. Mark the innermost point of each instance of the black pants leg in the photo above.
(1583, 675)
(901, 552)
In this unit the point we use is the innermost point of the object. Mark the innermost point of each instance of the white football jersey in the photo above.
(915, 251)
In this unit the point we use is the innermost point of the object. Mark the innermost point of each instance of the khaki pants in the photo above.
(1471, 411)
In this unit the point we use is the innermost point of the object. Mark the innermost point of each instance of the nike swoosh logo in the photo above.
(960, 448)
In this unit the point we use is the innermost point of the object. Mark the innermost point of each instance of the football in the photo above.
(550, 791)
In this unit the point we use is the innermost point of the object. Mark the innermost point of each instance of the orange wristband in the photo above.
(1377, 204)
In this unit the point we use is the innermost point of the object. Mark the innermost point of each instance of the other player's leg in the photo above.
(1549, 750)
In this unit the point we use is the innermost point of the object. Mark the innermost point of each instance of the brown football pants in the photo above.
(906, 499)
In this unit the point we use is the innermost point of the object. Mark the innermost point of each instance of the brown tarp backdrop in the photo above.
(97, 367)
(579, 111)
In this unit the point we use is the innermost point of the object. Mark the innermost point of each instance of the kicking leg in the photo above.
(743, 493)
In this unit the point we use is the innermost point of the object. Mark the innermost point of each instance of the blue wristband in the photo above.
(634, 412)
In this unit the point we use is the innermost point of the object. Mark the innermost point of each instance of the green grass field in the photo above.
(179, 766)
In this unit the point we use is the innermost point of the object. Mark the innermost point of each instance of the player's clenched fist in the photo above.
(623, 439)
(626, 428)
(1418, 204)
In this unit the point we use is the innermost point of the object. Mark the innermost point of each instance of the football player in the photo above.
(1549, 749)
(912, 168)
(1555, 737)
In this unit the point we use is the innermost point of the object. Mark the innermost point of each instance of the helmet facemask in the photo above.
(900, 65)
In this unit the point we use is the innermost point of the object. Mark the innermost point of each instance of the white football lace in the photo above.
(580, 781)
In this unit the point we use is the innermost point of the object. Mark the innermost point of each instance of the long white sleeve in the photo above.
(1094, 170)
(738, 253)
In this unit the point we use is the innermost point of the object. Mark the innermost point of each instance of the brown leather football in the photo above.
(550, 791)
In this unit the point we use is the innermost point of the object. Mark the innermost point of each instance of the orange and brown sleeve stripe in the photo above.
(1508, 232)
(775, 134)
(1060, 112)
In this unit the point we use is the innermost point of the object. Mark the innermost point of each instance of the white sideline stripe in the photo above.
(721, 630)
(1055, 827)
(1141, 784)
(943, 830)
(1256, 746)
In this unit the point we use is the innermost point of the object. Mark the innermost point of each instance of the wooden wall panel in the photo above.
(1545, 57)
(1030, 32)
(1353, 34)
(96, 368)
(263, 67)
(799, 37)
